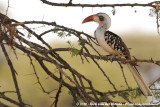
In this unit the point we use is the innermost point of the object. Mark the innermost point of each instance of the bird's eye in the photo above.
(101, 18)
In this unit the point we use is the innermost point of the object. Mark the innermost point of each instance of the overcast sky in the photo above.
(125, 19)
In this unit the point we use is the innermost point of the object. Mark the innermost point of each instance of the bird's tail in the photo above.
(144, 88)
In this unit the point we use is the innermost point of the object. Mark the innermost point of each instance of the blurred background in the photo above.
(134, 24)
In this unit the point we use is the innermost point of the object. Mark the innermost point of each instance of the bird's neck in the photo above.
(102, 28)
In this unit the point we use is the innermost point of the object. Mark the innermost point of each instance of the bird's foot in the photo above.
(100, 57)
(111, 57)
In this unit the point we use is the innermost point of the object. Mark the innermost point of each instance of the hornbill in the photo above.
(115, 46)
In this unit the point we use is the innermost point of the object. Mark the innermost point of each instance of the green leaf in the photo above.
(72, 92)
(102, 98)
(75, 51)
(69, 42)
(125, 94)
(68, 35)
(137, 92)
(55, 30)
(61, 34)
(81, 42)
(122, 86)
(112, 94)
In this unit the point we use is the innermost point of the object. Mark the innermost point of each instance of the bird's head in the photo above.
(103, 19)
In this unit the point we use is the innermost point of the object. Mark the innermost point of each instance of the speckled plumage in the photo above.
(116, 43)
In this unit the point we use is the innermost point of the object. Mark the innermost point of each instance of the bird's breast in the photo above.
(101, 41)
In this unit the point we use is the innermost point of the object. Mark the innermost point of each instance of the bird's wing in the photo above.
(116, 43)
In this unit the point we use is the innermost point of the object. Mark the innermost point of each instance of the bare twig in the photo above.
(9, 99)
(7, 8)
(58, 92)
(94, 5)
(123, 74)
(157, 7)
(154, 82)
(38, 80)
(13, 75)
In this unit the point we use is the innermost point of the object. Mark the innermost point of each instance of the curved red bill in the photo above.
(88, 19)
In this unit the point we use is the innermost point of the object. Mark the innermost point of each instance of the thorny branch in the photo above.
(4, 97)
(79, 86)
(58, 92)
(108, 58)
(70, 4)
(38, 80)
(13, 75)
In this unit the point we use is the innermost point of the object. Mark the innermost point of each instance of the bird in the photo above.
(114, 45)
